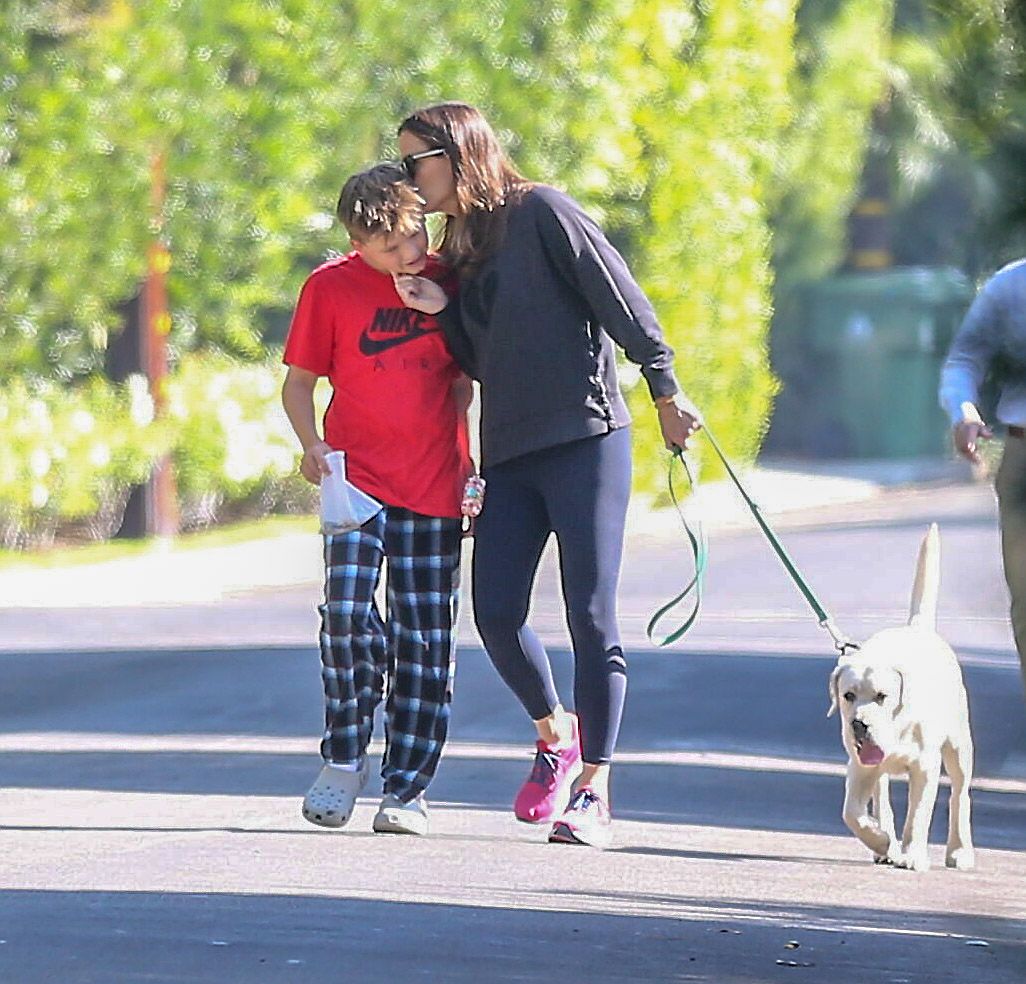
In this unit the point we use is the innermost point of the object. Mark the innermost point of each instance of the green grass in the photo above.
(98, 553)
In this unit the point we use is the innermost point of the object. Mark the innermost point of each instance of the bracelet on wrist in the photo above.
(664, 401)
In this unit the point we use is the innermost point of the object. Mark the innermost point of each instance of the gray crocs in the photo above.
(396, 817)
(330, 800)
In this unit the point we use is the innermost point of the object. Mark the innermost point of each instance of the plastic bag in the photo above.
(343, 506)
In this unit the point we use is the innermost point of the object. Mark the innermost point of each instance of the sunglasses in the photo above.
(409, 162)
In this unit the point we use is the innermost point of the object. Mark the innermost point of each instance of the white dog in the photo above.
(904, 711)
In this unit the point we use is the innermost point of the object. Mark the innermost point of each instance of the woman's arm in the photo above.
(580, 252)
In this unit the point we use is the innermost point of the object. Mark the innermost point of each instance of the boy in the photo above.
(398, 411)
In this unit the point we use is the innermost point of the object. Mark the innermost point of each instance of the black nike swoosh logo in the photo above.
(375, 346)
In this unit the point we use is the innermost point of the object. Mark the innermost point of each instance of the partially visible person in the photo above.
(398, 411)
(990, 345)
(543, 296)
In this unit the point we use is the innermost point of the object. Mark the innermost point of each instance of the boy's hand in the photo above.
(314, 467)
(419, 293)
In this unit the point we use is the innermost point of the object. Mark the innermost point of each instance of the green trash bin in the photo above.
(871, 349)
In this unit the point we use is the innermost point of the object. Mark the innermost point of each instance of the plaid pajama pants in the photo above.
(409, 655)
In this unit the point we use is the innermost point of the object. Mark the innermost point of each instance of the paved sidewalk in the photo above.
(166, 575)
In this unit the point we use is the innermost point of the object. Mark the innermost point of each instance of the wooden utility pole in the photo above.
(870, 233)
(156, 324)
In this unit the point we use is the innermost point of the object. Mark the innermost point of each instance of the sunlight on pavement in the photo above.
(259, 845)
(199, 744)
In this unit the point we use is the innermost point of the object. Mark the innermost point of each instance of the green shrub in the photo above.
(718, 103)
(841, 75)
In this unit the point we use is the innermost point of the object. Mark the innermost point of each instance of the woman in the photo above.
(542, 292)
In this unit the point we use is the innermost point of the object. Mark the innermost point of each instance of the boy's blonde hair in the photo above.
(380, 201)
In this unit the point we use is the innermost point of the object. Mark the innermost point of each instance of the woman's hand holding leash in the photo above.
(678, 424)
(419, 293)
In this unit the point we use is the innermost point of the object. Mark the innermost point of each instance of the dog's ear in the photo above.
(832, 689)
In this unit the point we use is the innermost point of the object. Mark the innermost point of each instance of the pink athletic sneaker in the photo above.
(586, 820)
(548, 787)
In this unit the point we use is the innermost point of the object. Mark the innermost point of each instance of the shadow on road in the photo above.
(111, 938)
(722, 702)
(661, 794)
(759, 703)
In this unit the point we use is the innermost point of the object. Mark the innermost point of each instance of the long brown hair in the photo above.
(486, 180)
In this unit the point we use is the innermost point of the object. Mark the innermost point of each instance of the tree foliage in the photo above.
(688, 128)
(234, 98)
(715, 101)
(258, 111)
(957, 143)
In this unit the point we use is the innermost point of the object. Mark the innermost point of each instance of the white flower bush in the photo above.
(234, 450)
(68, 454)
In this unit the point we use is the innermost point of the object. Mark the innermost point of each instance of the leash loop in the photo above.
(700, 550)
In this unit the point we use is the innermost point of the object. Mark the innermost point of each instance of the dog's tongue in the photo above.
(870, 754)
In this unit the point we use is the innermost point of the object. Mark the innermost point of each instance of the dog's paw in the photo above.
(893, 856)
(961, 859)
(914, 861)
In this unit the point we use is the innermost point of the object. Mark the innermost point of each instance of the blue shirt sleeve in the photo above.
(973, 350)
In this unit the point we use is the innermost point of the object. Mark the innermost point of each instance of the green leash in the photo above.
(699, 550)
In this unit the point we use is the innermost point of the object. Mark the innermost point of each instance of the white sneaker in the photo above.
(396, 817)
(330, 800)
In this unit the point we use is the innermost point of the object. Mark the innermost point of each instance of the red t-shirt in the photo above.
(392, 408)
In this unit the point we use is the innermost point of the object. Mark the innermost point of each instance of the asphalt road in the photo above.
(153, 762)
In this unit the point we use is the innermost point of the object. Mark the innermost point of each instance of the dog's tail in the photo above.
(923, 610)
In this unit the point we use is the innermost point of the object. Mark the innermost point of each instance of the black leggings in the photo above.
(579, 491)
